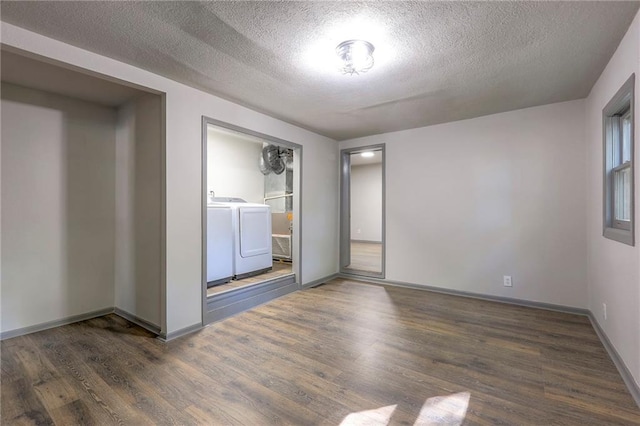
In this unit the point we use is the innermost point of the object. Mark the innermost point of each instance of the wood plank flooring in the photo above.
(345, 352)
(279, 269)
(366, 257)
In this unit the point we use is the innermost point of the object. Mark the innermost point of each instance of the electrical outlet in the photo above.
(507, 281)
(358, 231)
(604, 310)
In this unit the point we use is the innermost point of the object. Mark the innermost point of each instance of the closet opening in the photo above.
(251, 216)
(83, 201)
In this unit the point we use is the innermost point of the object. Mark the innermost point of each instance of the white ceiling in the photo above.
(435, 61)
(358, 160)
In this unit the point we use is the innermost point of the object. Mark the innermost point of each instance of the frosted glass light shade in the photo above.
(356, 56)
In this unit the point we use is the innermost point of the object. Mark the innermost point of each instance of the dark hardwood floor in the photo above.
(345, 352)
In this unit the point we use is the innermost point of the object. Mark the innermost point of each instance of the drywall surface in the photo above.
(233, 167)
(125, 261)
(614, 268)
(57, 207)
(138, 208)
(470, 201)
(185, 107)
(366, 202)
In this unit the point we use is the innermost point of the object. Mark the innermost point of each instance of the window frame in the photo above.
(615, 222)
(613, 114)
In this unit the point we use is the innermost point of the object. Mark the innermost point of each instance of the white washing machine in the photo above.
(220, 241)
(252, 250)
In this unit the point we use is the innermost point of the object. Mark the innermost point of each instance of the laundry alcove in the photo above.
(246, 264)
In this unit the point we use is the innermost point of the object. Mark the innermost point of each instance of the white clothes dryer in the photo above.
(252, 250)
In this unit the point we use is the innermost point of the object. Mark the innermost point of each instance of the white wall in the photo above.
(614, 268)
(138, 208)
(366, 202)
(185, 107)
(57, 207)
(233, 167)
(470, 201)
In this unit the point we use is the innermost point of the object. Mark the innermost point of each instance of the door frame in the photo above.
(345, 210)
(296, 244)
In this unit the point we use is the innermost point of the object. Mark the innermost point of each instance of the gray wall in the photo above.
(138, 209)
(470, 201)
(58, 197)
(366, 202)
(185, 107)
(614, 268)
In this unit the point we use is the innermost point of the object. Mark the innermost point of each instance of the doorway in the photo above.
(362, 225)
(251, 218)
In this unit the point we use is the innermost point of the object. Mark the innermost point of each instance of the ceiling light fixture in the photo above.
(367, 154)
(355, 56)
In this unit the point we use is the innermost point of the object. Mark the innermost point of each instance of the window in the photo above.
(618, 125)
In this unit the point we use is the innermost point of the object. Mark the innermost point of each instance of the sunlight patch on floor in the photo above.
(377, 417)
(444, 410)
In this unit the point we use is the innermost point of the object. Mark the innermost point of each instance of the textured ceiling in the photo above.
(435, 61)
